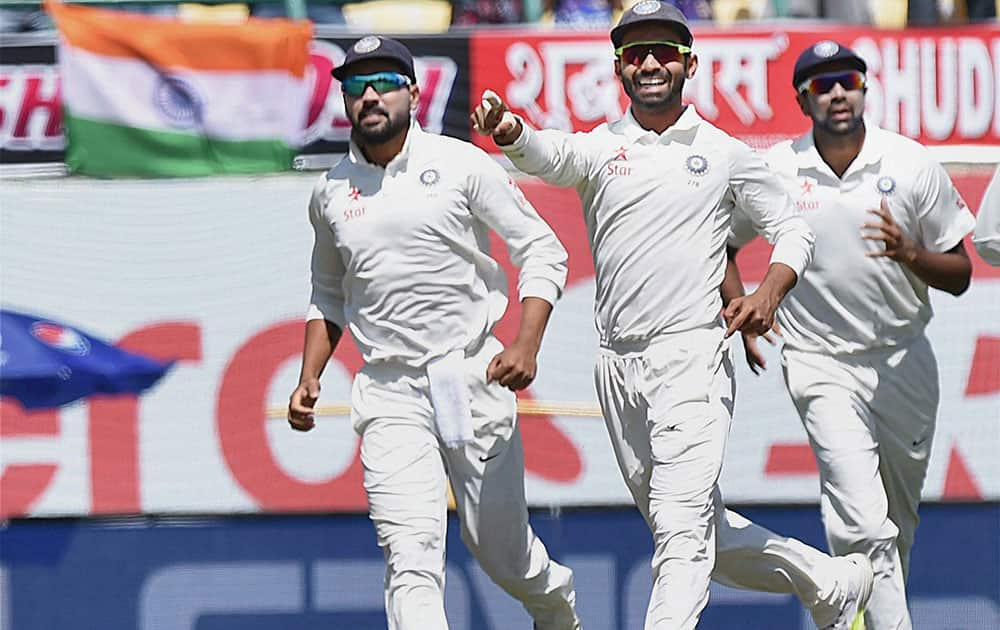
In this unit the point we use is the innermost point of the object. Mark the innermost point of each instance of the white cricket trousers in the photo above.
(406, 472)
(668, 405)
(870, 419)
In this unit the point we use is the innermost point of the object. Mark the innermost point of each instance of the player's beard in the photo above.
(670, 100)
(388, 129)
(840, 128)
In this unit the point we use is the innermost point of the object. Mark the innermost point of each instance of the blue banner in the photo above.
(283, 572)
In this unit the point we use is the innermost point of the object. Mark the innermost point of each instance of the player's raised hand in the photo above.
(898, 246)
(302, 404)
(491, 117)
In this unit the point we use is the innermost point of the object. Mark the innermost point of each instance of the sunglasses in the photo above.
(635, 54)
(381, 82)
(823, 83)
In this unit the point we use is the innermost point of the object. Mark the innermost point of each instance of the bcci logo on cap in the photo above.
(646, 7)
(178, 102)
(367, 44)
(60, 338)
(826, 48)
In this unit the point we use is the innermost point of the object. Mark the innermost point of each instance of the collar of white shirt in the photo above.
(628, 125)
(872, 151)
(357, 156)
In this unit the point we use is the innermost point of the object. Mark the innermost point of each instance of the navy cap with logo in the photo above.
(651, 11)
(376, 47)
(822, 54)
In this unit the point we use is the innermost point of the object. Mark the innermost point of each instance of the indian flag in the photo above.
(148, 96)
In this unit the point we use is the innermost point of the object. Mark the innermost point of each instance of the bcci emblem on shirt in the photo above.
(696, 164)
(430, 177)
(886, 185)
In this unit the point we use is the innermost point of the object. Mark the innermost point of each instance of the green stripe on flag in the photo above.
(106, 150)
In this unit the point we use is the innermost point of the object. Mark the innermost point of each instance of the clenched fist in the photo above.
(491, 117)
(302, 405)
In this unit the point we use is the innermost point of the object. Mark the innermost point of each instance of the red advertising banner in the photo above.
(939, 86)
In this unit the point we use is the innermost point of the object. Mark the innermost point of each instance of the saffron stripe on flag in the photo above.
(258, 44)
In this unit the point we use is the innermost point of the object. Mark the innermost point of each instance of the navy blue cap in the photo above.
(376, 47)
(821, 54)
(651, 11)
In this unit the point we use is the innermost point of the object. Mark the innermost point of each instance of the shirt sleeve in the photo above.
(557, 157)
(327, 299)
(987, 234)
(768, 209)
(534, 248)
(942, 215)
(741, 229)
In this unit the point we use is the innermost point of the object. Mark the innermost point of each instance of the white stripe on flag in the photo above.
(265, 105)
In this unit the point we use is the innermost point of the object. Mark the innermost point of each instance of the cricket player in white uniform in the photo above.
(401, 256)
(986, 236)
(888, 224)
(658, 188)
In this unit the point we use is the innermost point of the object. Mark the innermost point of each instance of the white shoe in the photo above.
(857, 591)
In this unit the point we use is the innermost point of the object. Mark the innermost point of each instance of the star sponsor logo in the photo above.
(805, 200)
(61, 338)
(354, 211)
(616, 168)
(621, 153)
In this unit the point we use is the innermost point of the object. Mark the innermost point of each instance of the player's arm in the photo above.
(325, 320)
(732, 284)
(555, 156)
(759, 194)
(517, 365)
(321, 340)
(987, 235)
(732, 288)
(937, 256)
(541, 259)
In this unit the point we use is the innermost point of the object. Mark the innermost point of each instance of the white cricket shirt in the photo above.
(987, 234)
(847, 302)
(657, 209)
(402, 253)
